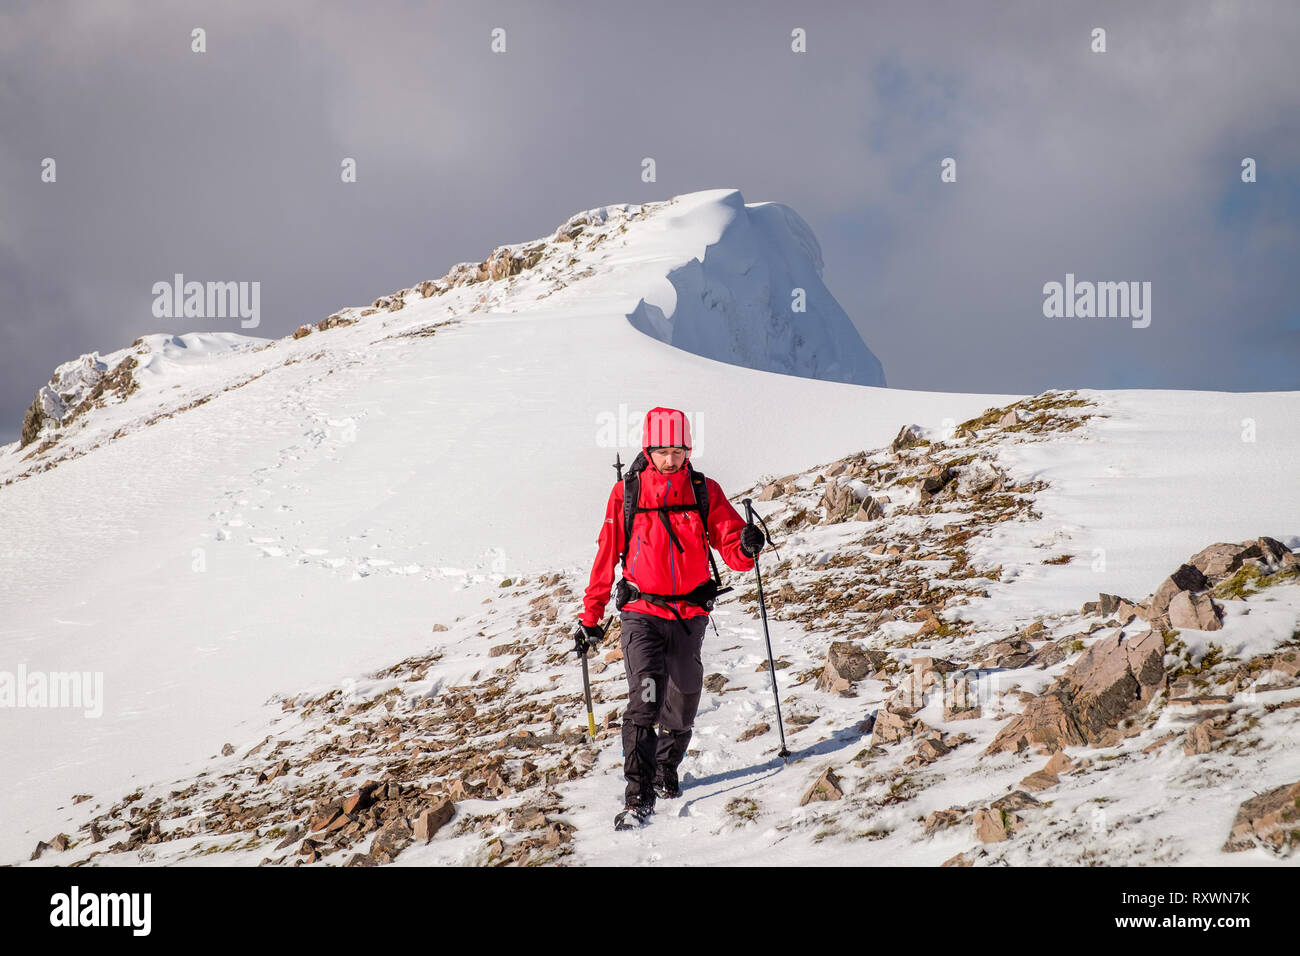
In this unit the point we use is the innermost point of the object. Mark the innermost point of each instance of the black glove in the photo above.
(752, 540)
(587, 637)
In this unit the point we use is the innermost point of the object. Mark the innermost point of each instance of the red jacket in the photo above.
(653, 562)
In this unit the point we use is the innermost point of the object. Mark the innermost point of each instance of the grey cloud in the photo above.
(225, 165)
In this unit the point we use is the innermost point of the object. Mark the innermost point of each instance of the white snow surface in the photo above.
(341, 493)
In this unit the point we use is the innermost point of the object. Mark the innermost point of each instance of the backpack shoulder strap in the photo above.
(701, 486)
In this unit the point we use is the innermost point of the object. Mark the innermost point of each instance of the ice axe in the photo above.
(586, 685)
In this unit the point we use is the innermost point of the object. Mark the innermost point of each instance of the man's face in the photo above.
(668, 460)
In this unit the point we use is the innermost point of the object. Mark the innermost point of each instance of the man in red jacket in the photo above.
(664, 598)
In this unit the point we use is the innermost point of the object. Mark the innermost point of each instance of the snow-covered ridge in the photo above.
(703, 272)
(754, 296)
(92, 380)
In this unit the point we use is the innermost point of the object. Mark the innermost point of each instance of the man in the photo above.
(665, 597)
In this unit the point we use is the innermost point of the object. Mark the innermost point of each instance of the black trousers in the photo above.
(665, 677)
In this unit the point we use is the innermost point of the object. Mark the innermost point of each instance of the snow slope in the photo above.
(303, 512)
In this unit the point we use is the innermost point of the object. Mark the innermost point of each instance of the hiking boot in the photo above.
(640, 810)
(666, 784)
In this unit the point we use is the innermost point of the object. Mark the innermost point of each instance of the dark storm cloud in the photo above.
(225, 165)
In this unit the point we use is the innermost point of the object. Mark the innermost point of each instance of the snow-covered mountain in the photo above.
(330, 520)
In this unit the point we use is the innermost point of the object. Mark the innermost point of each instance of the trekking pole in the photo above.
(762, 608)
(586, 690)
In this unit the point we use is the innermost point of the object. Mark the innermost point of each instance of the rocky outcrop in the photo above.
(1115, 677)
(847, 663)
(1003, 818)
(1270, 820)
(842, 501)
(1221, 561)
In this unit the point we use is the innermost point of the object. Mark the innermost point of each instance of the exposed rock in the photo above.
(827, 787)
(33, 421)
(755, 731)
(392, 839)
(937, 820)
(1048, 775)
(361, 799)
(1127, 611)
(432, 819)
(277, 769)
(1115, 677)
(925, 673)
(869, 510)
(1011, 653)
(1112, 679)
(930, 748)
(960, 702)
(892, 725)
(1221, 561)
(1053, 652)
(846, 663)
(841, 501)
(1159, 742)
(1015, 800)
(1105, 605)
(907, 436)
(1202, 738)
(1047, 724)
(1194, 611)
(336, 321)
(714, 683)
(978, 477)
(1186, 578)
(999, 820)
(1270, 820)
(324, 820)
(1273, 550)
(934, 478)
(988, 825)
